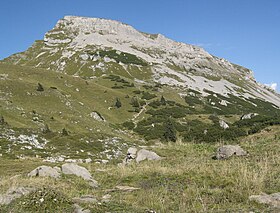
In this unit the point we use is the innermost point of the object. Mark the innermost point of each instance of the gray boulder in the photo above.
(45, 171)
(272, 199)
(14, 193)
(130, 156)
(74, 169)
(144, 154)
(227, 151)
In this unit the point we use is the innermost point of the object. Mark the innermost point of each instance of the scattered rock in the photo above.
(223, 124)
(227, 151)
(144, 154)
(85, 199)
(45, 171)
(79, 209)
(248, 116)
(14, 193)
(126, 188)
(272, 199)
(106, 198)
(97, 116)
(74, 169)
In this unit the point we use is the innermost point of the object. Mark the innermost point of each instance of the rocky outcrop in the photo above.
(45, 171)
(74, 169)
(248, 116)
(223, 124)
(14, 193)
(227, 151)
(272, 199)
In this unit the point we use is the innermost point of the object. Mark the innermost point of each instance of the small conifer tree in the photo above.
(118, 103)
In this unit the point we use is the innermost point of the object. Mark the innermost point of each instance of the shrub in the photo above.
(40, 87)
(118, 103)
(169, 131)
(129, 125)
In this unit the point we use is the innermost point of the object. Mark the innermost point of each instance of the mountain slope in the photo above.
(92, 47)
(108, 85)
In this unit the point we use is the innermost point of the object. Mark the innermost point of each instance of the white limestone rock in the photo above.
(45, 171)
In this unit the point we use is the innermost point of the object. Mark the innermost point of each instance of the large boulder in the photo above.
(14, 193)
(144, 154)
(227, 151)
(272, 199)
(74, 169)
(45, 171)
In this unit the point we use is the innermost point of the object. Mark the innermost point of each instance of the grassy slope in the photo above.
(187, 180)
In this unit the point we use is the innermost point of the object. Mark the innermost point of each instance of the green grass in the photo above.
(187, 179)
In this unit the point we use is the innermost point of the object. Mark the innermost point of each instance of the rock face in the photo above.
(248, 116)
(74, 169)
(134, 155)
(227, 151)
(223, 124)
(14, 193)
(94, 43)
(272, 199)
(45, 171)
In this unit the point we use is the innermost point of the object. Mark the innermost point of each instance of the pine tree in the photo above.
(162, 100)
(170, 131)
(118, 103)
(2, 120)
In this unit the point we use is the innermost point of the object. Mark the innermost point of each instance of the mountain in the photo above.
(103, 95)
(94, 80)
(92, 47)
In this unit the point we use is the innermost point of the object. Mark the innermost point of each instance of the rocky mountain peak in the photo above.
(94, 47)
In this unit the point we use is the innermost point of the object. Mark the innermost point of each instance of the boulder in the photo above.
(45, 171)
(14, 193)
(272, 199)
(134, 155)
(144, 154)
(74, 169)
(223, 124)
(97, 116)
(227, 151)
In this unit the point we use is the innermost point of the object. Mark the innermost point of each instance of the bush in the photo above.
(169, 131)
(118, 103)
(129, 125)
(40, 87)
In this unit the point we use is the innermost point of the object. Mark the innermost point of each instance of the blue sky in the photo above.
(245, 32)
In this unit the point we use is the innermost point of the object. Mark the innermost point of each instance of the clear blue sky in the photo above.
(246, 32)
